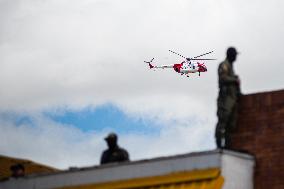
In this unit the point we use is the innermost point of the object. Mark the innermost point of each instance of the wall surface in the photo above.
(238, 172)
(198, 170)
(260, 132)
(119, 171)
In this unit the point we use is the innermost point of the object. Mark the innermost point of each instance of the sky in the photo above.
(73, 71)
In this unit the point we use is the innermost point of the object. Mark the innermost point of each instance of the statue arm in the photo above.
(104, 158)
(224, 76)
(126, 155)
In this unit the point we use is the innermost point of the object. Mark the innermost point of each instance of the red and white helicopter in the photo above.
(185, 67)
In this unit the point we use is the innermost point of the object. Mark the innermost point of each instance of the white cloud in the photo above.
(62, 146)
(50, 143)
(81, 53)
(75, 54)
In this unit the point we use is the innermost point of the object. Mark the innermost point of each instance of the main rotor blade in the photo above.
(203, 54)
(201, 59)
(177, 54)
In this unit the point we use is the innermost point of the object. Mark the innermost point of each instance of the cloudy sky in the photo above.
(72, 71)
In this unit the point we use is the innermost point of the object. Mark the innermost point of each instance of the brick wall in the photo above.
(260, 132)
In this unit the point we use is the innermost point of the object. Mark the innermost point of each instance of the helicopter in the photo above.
(185, 67)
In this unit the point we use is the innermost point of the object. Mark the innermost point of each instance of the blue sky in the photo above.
(105, 117)
(73, 71)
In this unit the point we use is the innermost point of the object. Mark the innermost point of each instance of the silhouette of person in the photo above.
(114, 153)
(229, 92)
(18, 170)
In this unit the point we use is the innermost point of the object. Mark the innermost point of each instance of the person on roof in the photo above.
(114, 153)
(18, 170)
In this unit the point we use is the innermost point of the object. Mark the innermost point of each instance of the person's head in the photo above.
(17, 170)
(231, 54)
(111, 140)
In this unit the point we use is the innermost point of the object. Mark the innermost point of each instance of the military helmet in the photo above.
(231, 51)
(111, 136)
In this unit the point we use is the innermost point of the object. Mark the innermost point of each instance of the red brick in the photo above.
(260, 131)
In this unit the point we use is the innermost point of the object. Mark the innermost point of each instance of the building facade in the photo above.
(205, 170)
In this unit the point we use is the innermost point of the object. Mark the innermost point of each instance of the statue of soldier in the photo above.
(114, 153)
(229, 92)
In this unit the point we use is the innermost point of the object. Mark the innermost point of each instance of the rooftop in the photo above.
(206, 166)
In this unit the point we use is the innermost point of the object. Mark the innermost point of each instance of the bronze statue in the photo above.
(229, 92)
(114, 153)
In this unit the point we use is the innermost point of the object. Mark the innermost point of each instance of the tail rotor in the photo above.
(149, 62)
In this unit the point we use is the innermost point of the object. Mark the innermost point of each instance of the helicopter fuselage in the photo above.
(187, 67)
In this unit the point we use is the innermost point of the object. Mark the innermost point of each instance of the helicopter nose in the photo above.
(202, 68)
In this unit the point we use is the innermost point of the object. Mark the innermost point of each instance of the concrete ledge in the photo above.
(127, 170)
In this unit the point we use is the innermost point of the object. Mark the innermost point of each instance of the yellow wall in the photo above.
(198, 179)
